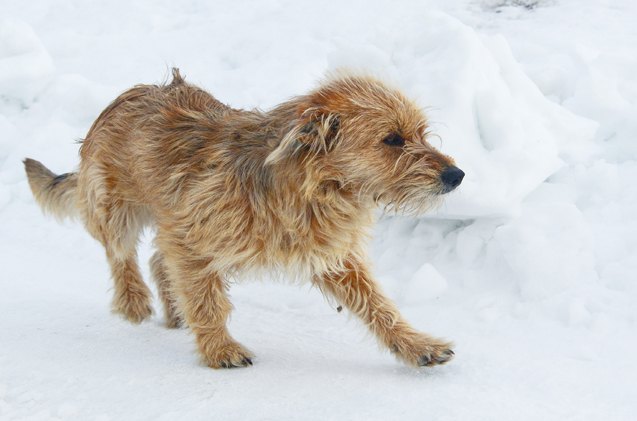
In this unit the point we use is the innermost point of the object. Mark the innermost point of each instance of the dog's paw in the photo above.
(437, 356)
(229, 355)
(133, 307)
(422, 350)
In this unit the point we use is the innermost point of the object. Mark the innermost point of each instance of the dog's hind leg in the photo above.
(117, 225)
(166, 290)
(132, 298)
(357, 291)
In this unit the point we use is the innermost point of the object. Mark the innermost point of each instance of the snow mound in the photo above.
(499, 127)
(426, 284)
(25, 65)
(554, 251)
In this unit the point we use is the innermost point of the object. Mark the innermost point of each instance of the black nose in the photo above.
(451, 178)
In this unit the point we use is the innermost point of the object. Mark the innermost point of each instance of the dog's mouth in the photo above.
(413, 202)
(444, 189)
(424, 193)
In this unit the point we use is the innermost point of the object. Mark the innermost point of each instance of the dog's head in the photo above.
(370, 139)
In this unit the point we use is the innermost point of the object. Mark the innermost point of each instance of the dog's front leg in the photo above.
(356, 290)
(203, 300)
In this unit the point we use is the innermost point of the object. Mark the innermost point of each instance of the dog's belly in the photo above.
(287, 256)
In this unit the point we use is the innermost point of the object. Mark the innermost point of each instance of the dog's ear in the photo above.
(314, 130)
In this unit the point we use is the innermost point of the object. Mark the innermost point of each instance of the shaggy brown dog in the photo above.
(231, 192)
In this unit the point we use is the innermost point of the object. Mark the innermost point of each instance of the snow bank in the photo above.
(425, 284)
(553, 251)
(489, 115)
(25, 65)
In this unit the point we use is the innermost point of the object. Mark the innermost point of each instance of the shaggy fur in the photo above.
(289, 191)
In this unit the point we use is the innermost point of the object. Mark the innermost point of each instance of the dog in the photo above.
(231, 192)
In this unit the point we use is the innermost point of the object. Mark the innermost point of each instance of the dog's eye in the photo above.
(394, 139)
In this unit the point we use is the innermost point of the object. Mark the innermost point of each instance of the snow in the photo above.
(26, 67)
(529, 267)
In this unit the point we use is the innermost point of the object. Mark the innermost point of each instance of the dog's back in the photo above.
(148, 121)
(114, 141)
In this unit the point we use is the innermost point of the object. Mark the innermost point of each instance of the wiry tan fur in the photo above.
(231, 192)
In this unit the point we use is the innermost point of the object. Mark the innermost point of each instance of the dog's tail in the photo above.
(56, 194)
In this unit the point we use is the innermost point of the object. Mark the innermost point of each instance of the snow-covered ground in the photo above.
(530, 267)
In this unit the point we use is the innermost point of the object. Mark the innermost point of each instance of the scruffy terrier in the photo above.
(291, 191)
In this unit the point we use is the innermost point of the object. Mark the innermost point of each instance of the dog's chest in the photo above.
(314, 241)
